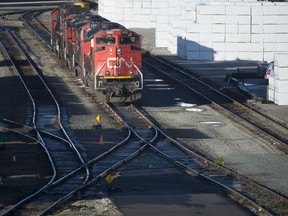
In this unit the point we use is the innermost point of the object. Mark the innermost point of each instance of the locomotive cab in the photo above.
(117, 65)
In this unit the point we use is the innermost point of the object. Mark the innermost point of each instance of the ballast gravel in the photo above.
(194, 124)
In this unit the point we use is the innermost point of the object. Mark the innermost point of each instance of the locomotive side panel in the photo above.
(53, 22)
(59, 23)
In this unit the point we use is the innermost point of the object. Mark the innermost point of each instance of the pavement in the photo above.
(216, 71)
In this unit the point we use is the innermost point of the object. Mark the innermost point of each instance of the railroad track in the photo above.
(100, 166)
(207, 91)
(40, 30)
(236, 185)
(254, 196)
(122, 153)
(47, 129)
(260, 124)
(259, 199)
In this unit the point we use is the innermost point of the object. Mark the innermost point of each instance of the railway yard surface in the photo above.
(213, 134)
(141, 188)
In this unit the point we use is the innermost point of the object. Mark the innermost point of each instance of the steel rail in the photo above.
(202, 158)
(218, 91)
(40, 137)
(98, 159)
(256, 207)
(91, 162)
(33, 106)
(25, 18)
(278, 141)
(111, 151)
(38, 13)
(33, 129)
(108, 169)
(27, 198)
(72, 145)
(242, 106)
(91, 182)
(252, 204)
(207, 162)
(40, 140)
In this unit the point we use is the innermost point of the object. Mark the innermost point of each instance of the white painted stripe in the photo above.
(182, 104)
(210, 122)
(194, 110)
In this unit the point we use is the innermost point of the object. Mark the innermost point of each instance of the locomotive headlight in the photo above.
(107, 73)
(119, 51)
(131, 72)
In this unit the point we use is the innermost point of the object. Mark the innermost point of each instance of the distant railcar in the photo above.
(106, 55)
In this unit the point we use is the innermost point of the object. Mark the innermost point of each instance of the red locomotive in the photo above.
(106, 55)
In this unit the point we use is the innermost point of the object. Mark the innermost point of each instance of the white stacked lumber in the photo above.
(280, 83)
(281, 73)
(255, 56)
(270, 95)
(281, 98)
(281, 60)
(268, 56)
(203, 23)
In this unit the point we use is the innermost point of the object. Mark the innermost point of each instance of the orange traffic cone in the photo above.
(101, 140)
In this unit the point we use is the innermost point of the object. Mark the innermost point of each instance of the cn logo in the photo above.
(111, 62)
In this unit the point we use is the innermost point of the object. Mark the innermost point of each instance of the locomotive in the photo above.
(106, 55)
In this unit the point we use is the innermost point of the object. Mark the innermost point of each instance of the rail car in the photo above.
(106, 55)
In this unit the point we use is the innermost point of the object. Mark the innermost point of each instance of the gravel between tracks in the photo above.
(240, 150)
(19, 173)
(80, 108)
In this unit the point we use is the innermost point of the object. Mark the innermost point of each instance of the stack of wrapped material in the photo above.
(278, 82)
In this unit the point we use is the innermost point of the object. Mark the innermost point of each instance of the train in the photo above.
(106, 55)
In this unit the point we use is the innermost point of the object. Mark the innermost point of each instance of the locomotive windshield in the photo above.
(105, 40)
(128, 40)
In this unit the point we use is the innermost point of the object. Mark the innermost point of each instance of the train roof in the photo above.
(82, 19)
(73, 9)
(102, 26)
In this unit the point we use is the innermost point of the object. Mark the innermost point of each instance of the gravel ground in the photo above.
(20, 174)
(76, 101)
(93, 207)
(79, 108)
(209, 132)
(214, 135)
(183, 117)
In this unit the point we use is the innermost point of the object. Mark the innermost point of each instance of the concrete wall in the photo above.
(207, 30)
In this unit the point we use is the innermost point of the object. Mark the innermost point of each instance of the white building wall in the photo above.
(208, 30)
